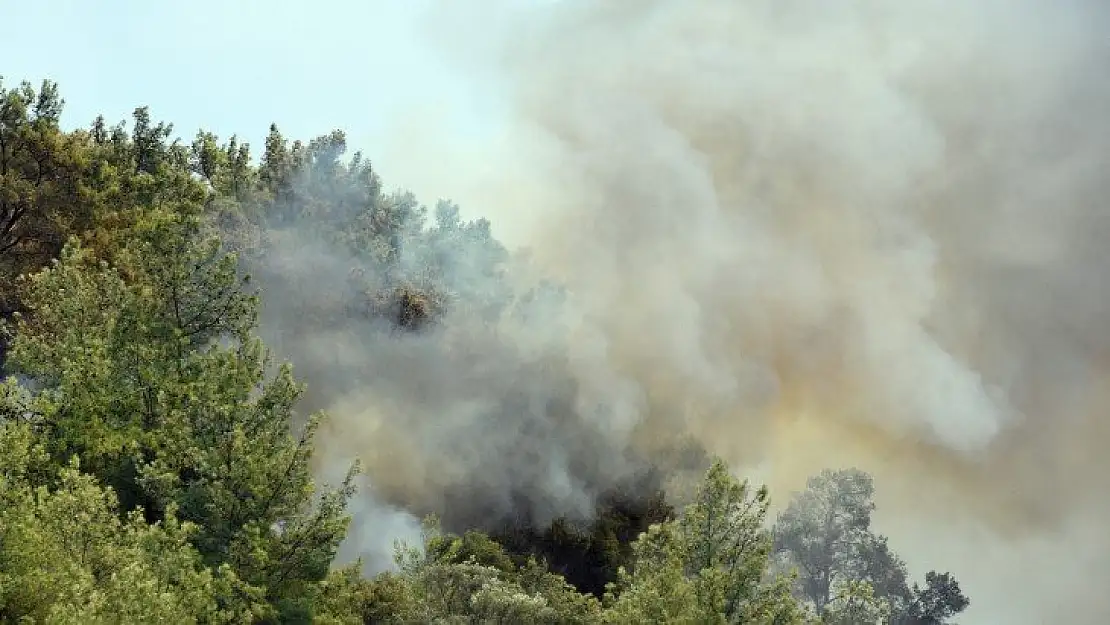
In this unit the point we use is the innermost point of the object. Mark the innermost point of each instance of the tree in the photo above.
(856, 604)
(709, 565)
(157, 381)
(41, 190)
(721, 532)
(148, 142)
(469, 579)
(823, 529)
(939, 600)
(826, 533)
(66, 556)
(657, 589)
(36, 168)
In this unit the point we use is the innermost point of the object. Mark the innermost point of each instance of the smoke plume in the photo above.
(803, 234)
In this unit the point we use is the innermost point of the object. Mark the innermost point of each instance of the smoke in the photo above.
(805, 234)
(480, 408)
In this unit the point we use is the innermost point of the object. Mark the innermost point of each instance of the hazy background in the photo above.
(813, 234)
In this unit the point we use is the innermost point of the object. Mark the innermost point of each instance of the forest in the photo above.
(161, 463)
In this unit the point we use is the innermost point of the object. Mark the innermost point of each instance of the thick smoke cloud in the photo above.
(485, 414)
(805, 234)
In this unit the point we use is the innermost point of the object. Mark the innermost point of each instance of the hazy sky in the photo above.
(235, 66)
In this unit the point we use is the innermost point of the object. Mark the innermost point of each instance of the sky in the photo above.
(234, 67)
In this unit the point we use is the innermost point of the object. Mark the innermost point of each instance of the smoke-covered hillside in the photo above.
(849, 250)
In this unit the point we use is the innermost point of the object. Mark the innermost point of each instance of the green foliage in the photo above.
(934, 603)
(67, 556)
(824, 528)
(41, 185)
(723, 538)
(658, 589)
(156, 381)
(856, 604)
(844, 568)
(468, 579)
(711, 565)
(470, 547)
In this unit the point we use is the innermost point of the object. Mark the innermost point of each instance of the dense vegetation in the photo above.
(154, 467)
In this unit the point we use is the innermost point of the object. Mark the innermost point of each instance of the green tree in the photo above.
(468, 579)
(722, 532)
(148, 142)
(934, 603)
(826, 534)
(657, 589)
(711, 565)
(158, 383)
(38, 172)
(41, 188)
(856, 604)
(67, 556)
(823, 528)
